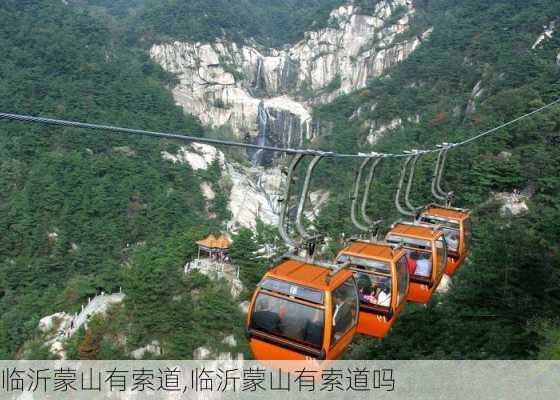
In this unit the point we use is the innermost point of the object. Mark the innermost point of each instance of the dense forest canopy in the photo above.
(75, 207)
(271, 23)
(80, 211)
(505, 297)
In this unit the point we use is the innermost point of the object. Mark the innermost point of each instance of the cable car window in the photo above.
(468, 233)
(345, 309)
(365, 263)
(452, 238)
(450, 228)
(288, 319)
(441, 249)
(450, 223)
(402, 279)
(373, 288)
(290, 289)
(410, 242)
(420, 263)
(419, 252)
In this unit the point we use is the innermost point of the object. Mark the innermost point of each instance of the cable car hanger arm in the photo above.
(355, 195)
(415, 158)
(404, 168)
(282, 218)
(435, 191)
(369, 221)
(303, 200)
(444, 196)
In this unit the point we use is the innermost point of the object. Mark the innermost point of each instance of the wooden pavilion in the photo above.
(216, 249)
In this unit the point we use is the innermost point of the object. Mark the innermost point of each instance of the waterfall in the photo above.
(271, 200)
(262, 121)
(288, 77)
(259, 71)
(288, 141)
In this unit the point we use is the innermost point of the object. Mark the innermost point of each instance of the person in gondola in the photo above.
(453, 241)
(412, 257)
(384, 296)
(423, 265)
(291, 323)
(369, 294)
(342, 316)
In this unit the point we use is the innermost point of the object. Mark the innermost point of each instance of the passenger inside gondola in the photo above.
(452, 239)
(344, 311)
(423, 264)
(313, 332)
(366, 288)
(412, 257)
(291, 322)
(384, 297)
(374, 289)
(369, 295)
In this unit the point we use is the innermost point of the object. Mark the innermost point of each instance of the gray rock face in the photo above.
(475, 94)
(546, 35)
(154, 348)
(264, 95)
(512, 203)
(279, 128)
(253, 192)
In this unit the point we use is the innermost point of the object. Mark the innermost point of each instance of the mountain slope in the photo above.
(480, 68)
(267, 93)
(74, 207)
(268, 22)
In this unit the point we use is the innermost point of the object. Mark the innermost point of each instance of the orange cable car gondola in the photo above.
(302, 309)
(382, 275)
(425, 243)
(455, 222)
(427, 254)
(456, 226)
(380, 269)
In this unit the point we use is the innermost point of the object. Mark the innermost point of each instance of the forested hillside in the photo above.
(76, 208)
(81, 211)
(271, 23)
(505, 302)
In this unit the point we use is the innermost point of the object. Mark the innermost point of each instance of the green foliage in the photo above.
(243, 253)
(80, 211)
(74, 207)
(334, 84)
(270, 22)
(38, 350)
(550, 331)
(512, 274)
(234, 71)
(181, 311)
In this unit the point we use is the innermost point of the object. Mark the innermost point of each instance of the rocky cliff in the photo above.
(253, 192)
(264, 95)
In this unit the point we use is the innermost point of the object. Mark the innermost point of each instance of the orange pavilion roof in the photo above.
(215, 243)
